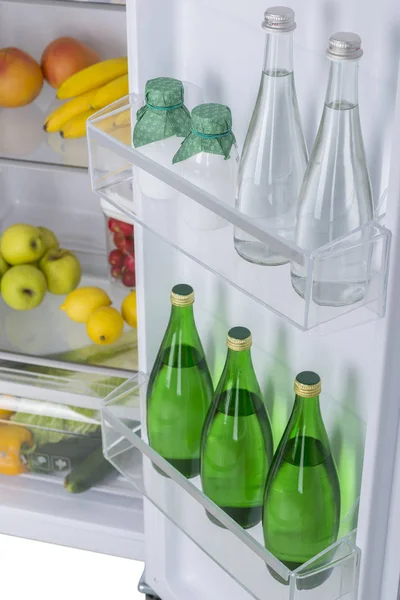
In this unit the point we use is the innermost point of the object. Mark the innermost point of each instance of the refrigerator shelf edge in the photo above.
(92, 4)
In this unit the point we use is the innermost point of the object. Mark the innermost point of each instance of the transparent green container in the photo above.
(180, 388)
(237, 439)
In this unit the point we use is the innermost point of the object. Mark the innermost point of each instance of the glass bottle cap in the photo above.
(279, 18)
(307, 384)
(182, 295)
(344, 45)
(239, 338)
(212, 119)
(164, 92)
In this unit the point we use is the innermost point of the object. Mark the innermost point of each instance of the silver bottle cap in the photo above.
(279, 18)
(344, 46)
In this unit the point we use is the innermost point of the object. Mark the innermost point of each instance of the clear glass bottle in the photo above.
(301, 513)
(237, 446)
(336, 195)
(274, 155)
(161, 125)
(208, 158)
(180, 388)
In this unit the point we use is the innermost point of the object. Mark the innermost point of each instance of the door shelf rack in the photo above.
(239, 553)
(117, 170)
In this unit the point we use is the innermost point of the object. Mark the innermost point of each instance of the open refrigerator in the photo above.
(216, 47)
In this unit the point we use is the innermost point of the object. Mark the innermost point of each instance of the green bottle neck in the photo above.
(239, 371)
(306, 419)
(239, 360)
(181, 327)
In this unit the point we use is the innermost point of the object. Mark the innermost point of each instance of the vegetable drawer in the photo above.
(56, 485)
(332, 575)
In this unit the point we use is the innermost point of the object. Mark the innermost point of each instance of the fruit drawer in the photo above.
(50, 332)
(332, 575)
(202, 225)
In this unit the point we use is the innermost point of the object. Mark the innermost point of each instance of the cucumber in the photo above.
(88, 473)
(75, 449)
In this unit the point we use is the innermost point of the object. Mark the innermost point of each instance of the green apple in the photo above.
(21, 244)
(23, 287)
(49, 238)
(3, 266)
(62, 271)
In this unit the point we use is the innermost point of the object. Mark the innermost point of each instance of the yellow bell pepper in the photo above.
(13, 438)
(5, 414)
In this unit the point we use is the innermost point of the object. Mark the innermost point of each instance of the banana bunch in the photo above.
(87, 92)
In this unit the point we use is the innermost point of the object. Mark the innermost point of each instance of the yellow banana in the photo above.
(111, 92)
(123, 134)
(76, 127)
(123, 118)
(55, 120)
(93, 77)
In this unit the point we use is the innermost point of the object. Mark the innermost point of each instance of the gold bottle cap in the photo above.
(307, 384)
(239, 338)
(182, 295)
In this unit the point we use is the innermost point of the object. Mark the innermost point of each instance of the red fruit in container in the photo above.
(120, 227)
(129, 262)
(129, 246)
(123, 243)
(125, 228)
(112, 223)
(116, 258)
(117, 272)
(119, 241)
(129, 279)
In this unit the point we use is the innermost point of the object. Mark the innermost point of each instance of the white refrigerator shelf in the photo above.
(331, 575)
(117, 170)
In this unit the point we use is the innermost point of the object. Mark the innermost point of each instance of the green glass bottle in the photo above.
(180, 388)
(237, 438)
(302, 496)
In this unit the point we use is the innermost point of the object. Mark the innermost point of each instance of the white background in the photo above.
(41, 571)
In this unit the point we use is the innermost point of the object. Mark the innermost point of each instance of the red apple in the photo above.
(129, 262)
(117, 272)
(120, 227)
(116, 258)
(129, 279)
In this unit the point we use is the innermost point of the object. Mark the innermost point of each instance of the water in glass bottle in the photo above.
(335, 197)
(274, 156)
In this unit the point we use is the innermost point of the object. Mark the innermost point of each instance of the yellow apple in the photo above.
(62, 270)
(3, 266)
(23, 287)
(49, 238)
(21, 244)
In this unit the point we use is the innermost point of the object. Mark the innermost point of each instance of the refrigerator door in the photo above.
(218, 46)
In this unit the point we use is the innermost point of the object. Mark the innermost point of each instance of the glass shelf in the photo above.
(23, 139)
(103, 4)
(173, 208)
(238, 552)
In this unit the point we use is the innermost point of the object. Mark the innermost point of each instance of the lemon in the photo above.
(105, 325)
(128, 309)
(80, 303)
